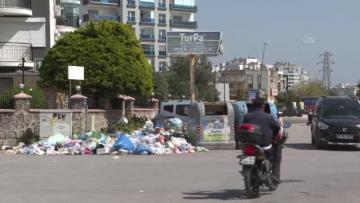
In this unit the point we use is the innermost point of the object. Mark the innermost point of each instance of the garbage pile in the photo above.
(146, 141)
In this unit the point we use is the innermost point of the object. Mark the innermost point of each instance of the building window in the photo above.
(162, 18)
(259, 80)
(162, 66)
(162, 35)
(250, 81)
(38, 62)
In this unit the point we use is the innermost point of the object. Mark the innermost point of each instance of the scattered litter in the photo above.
(169, 139)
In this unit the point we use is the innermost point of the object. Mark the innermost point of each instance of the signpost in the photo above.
(193, 44)
(75, 73)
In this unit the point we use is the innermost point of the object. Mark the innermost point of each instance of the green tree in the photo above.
(179, 79)
(161, 86)
(111, 54)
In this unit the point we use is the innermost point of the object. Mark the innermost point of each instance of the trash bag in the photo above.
(174, 123)
(56, 139)
(123, 142)
(141, 149)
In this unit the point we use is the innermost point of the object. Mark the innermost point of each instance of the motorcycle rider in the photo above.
(269, 126)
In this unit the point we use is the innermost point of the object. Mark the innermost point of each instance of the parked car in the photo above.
(336, 121)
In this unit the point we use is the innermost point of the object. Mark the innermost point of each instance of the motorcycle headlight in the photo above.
(323, 126)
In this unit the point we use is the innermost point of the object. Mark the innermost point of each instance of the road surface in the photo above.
(308, 175)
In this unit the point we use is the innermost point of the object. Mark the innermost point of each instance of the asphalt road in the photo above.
(308, 175)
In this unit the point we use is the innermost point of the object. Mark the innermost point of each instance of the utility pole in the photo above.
(326, 61)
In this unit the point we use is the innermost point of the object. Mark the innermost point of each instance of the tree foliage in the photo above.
(37, 100)
(179, 79)
(111, 54)
(313, 88)
(161, 86)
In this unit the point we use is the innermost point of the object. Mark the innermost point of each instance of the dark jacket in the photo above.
(267, 123)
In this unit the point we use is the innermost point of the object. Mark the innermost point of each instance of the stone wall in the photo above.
(14, 123)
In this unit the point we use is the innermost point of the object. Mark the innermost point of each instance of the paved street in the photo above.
(308, 176)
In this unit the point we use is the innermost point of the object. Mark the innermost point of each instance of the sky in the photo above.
(298, 32)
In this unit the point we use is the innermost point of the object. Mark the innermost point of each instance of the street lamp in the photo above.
(78, 89)
(262, 64)
(21, 87)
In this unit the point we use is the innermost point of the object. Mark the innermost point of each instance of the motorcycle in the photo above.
(257, 169)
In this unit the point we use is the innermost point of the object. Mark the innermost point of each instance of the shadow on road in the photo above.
(308, 146)
(301, 146)
(218, 195)
(291, 181)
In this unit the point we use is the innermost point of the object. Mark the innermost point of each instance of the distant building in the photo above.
(243, 74)
(292, 74)
(343, 89)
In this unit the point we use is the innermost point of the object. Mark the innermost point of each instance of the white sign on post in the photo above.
(75, 72)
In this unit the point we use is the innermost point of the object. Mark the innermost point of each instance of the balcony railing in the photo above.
(162, 54)
(162, 22)
(97, 17)
(103, 2)
(149, 21)
(149, 5)
(162, 38)
(131, 20)
(183, 23)
(15, 4)
(147, 37)
(131, 4)
(149, 52)
(179, 7)
(68, 20)
(14, 52)
(162, 6)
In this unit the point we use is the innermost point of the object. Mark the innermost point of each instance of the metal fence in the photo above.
(15, 4)
(10, 51)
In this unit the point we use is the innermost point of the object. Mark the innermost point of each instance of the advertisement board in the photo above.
(193, 43)
(52, 123)
(216, 128)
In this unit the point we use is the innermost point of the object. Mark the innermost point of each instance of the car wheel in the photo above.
(312, 137)
(318, 143)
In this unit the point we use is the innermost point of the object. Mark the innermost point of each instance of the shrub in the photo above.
(37, 101)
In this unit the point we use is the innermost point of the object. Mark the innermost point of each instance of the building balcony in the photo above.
(147, 21)
(162, 54)
(146, 5)
(149, 53)
(97, 17)
(15, 8)
(147, 37)
(162, 22)
(103, 2)
(162, 6)
(131, 4)
(162, 39)
(11, 55)
(68, 20)
(178, 7)
(183, 24)
(131, 20)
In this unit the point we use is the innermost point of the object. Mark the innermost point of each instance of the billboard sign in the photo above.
(75, 72)
(194, 43)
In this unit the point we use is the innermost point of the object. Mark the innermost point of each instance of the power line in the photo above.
(326, 61)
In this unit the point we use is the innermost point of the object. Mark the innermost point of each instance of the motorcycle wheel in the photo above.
(252, 190)
(272, 186)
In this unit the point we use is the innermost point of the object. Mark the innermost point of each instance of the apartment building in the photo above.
(242, 74)
(292, 74)
(151, 19)
(25, 27)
